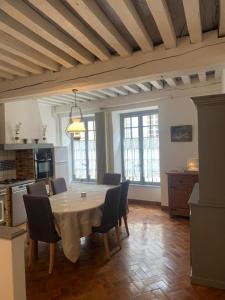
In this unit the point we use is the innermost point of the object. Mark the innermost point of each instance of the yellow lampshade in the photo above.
(192, 164)
(75, 126)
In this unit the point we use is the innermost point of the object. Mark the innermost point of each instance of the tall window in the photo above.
(84, 153)
(140, 147)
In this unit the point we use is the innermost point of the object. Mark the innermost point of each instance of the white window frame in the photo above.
(87, 179)
(138, 114)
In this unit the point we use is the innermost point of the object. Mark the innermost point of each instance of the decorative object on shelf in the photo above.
(181, 133)
(76, 125)
(44, 130)
(17, 132)
(192, 164)
(25, 141)
(36, 141)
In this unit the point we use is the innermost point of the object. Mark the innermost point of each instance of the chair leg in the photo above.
(118, 235)
(106, 244)
(126, 225)
(51, 257)
(31, 252)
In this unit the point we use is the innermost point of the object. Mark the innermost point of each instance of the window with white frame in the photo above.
(140, 147)
(84, 153)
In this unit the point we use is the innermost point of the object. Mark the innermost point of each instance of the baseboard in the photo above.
(208, 282)
(144, 202)
(165, 208)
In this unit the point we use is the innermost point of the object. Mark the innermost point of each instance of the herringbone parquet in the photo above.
(153, 264)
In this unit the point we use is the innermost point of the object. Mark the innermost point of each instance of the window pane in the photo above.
(141, 143)
(127, 122)
(134, 121)
(79, 158)
(151, 149)
(131, 149)
(84, 154)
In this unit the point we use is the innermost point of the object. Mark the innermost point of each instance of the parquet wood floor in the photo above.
(153, 264)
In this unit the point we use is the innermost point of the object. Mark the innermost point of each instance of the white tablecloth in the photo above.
(75, 216)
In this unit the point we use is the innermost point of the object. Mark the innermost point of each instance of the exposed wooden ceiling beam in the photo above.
(58, 13)
(19, 62)
(202, 76)
(157, 84)
(171, 82)
(50, 102)
(96, 94)
(130, 18)
(6, 75)
(148, 98)
(186, 79)
(24, 14)
(119, 90)
(87, 96)
(107, 93)
(12, 70)
(161, 15)
(217, 74)
(31, 39)
(141, 67)
(193, 20)
(131, 89)
(144, 86)
(222, 18)
(16, 47)
(94, 16)
(61, 99)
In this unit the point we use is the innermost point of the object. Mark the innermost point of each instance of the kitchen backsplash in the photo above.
(7, 165)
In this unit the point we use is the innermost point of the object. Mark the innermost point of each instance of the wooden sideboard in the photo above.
(180, 186)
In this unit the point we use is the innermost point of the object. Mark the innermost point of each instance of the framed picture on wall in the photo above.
(181, 133)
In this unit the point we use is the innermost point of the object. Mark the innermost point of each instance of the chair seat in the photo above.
(102, 228)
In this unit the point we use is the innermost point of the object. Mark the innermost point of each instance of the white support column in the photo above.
(12, 265)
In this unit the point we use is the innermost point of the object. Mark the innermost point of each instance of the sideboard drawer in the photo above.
(181, 179)
(180, 186)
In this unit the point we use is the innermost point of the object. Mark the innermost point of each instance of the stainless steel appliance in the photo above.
(2, 205)
(16, 189)
(43, 160)
(18, 210)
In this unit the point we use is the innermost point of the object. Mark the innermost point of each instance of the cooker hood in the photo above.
(28, 113)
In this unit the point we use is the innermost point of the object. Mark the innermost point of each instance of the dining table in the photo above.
(75, 212)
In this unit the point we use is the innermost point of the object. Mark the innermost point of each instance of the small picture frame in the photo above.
(181, 133)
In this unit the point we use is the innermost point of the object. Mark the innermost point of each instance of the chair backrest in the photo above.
(40, 219)
(111, 178)
(37, 189)
(111, 208)
(123, 198)
(58, 185)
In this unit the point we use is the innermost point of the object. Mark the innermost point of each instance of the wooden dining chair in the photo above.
(110, 217)
(58, 185)
(37, 189)
(123, 208)
(111, 178)
(41, 226)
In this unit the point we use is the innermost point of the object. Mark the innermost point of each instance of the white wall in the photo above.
(173, 156)
(27, 112)
(33, 116)
(49, 118)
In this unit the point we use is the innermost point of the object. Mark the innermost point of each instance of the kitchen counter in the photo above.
(9, 233)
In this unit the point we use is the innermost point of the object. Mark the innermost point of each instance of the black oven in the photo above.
(43, 159)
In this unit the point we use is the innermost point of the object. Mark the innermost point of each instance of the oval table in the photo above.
(75, 215)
